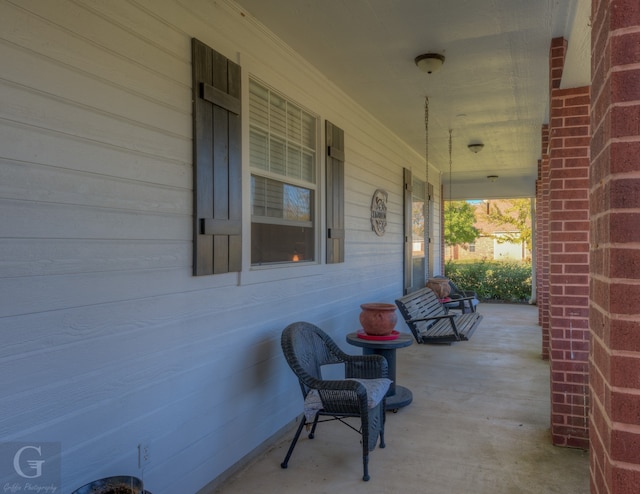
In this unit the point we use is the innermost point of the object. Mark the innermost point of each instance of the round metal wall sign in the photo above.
(379, 212)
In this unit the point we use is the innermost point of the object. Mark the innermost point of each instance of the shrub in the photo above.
(493, 280)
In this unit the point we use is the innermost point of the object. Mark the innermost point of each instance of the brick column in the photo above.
(568, 201)
(542, 242)
(615, 247)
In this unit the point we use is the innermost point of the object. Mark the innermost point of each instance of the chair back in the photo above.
(307, 348)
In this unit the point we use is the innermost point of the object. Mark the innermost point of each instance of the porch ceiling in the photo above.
(492, 88)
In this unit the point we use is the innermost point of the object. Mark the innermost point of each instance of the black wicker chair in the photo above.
(307, 348)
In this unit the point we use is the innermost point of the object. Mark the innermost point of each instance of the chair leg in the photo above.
(285, 463)
(365, 462)
(365, 427)
(384, 420)
(312, 434)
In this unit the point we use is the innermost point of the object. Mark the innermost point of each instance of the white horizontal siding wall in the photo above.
(107, 339)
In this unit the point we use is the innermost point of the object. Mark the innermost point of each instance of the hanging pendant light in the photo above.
(429, 62)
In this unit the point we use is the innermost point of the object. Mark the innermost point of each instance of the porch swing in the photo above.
(424, 312)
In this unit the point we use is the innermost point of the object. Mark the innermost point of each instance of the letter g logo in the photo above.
(33, 464)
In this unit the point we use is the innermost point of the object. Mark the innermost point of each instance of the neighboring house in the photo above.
(492, 243)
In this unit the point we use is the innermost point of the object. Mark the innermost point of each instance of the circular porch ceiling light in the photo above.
(429, 62)
(492, 178)
(475, 147)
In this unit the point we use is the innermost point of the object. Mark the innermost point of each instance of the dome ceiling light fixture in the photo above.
(492, 178)
(429, 62)
(475, 147)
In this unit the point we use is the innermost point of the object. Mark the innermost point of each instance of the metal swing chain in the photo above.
(450, 210)
(426, 142)
(427, 206)
(450, 164)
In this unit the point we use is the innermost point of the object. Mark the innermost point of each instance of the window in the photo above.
(282, 147)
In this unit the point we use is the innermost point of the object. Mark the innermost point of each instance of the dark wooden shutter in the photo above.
(335, 193)
(217, 231)
(408, 230)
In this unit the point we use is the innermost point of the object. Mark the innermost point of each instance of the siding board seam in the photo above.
(105, 144)
(100, 46)
(92, 174)
(93, 109)
(134, 33)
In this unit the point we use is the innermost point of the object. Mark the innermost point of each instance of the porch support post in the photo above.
(542, 241)
(568, 255)
(614, 315)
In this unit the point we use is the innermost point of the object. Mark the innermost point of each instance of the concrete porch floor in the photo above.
(479, 423)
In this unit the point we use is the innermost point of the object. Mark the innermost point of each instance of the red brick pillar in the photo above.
(569, 143)
(615, 247)
(542, 242)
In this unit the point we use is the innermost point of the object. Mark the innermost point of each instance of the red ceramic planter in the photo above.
(378, 319)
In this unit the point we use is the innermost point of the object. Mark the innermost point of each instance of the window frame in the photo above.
(316, 187)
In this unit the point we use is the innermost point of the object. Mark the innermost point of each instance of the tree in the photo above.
(517, 214)
(459, 218)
